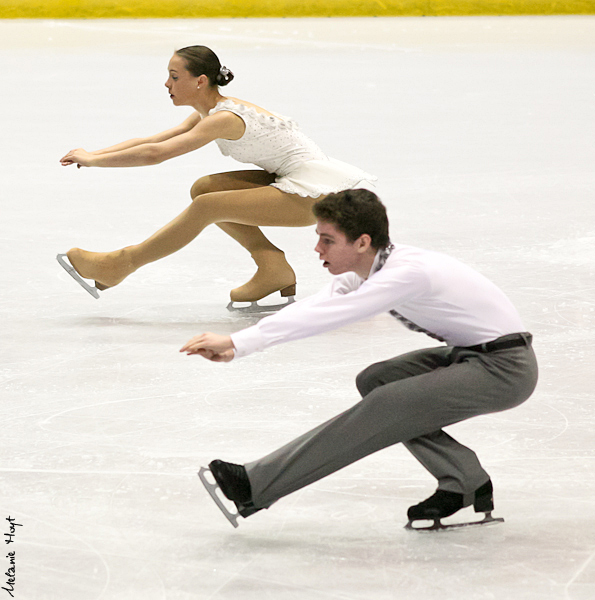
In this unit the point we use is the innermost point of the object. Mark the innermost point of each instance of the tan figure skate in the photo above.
(106, 269)
(273, 275)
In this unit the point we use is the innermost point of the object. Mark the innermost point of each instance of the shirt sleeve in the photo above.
(346, 300)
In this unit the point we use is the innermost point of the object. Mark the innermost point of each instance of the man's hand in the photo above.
(218, 348)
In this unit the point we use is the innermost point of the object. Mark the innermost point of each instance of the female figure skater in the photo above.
(293, 173)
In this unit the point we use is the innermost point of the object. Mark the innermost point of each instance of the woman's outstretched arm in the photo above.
(184, 127)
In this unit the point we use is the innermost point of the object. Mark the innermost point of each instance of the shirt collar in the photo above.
(380, 259)
(375, 265)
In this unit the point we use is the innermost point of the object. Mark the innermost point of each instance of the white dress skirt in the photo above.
(275, 143)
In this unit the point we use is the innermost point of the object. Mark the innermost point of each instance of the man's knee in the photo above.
(394, 369)
(369, 379)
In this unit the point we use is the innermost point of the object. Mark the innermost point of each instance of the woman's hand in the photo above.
(78, 157)
(218, 348)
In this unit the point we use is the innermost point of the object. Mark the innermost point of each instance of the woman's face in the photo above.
(182, 85)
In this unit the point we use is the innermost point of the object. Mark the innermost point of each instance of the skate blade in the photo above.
(256, 308)
(438, 526)
(212, 489)
(65, 264)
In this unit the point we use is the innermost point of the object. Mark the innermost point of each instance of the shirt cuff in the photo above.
(247, 341)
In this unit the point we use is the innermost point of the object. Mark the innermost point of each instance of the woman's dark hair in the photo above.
(355, 212)
(201, 60)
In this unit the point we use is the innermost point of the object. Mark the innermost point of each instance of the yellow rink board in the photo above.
(73, 9)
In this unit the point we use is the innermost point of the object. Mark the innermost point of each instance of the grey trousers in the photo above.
(407, 399)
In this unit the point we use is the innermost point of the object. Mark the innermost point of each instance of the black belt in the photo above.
(502, 343)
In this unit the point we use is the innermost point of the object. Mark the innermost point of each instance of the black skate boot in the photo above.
(233, 481)
(444, 504)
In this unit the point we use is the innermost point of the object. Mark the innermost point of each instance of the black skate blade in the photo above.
(212, 489)
(439, 526)
(65, 264)
(256, 309)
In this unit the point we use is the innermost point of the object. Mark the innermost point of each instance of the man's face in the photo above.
(334, 248)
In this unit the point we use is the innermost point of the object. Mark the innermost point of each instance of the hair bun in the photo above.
(224, 76)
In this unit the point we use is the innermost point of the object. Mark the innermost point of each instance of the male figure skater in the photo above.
(487, 365)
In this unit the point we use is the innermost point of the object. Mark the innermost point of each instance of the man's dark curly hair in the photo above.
(355, 212)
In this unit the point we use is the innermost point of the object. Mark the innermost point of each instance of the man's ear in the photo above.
(364, 243)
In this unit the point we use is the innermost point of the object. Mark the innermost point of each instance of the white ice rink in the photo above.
(482, 134)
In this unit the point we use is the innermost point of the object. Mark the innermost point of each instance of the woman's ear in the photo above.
(202, 81)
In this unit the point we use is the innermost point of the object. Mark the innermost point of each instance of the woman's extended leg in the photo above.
(248, 207)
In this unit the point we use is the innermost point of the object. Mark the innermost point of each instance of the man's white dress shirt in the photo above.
(436, 292)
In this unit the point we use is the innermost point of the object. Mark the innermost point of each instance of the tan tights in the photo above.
(238, 202)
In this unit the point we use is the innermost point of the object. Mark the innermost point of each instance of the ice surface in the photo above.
(482, 134)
